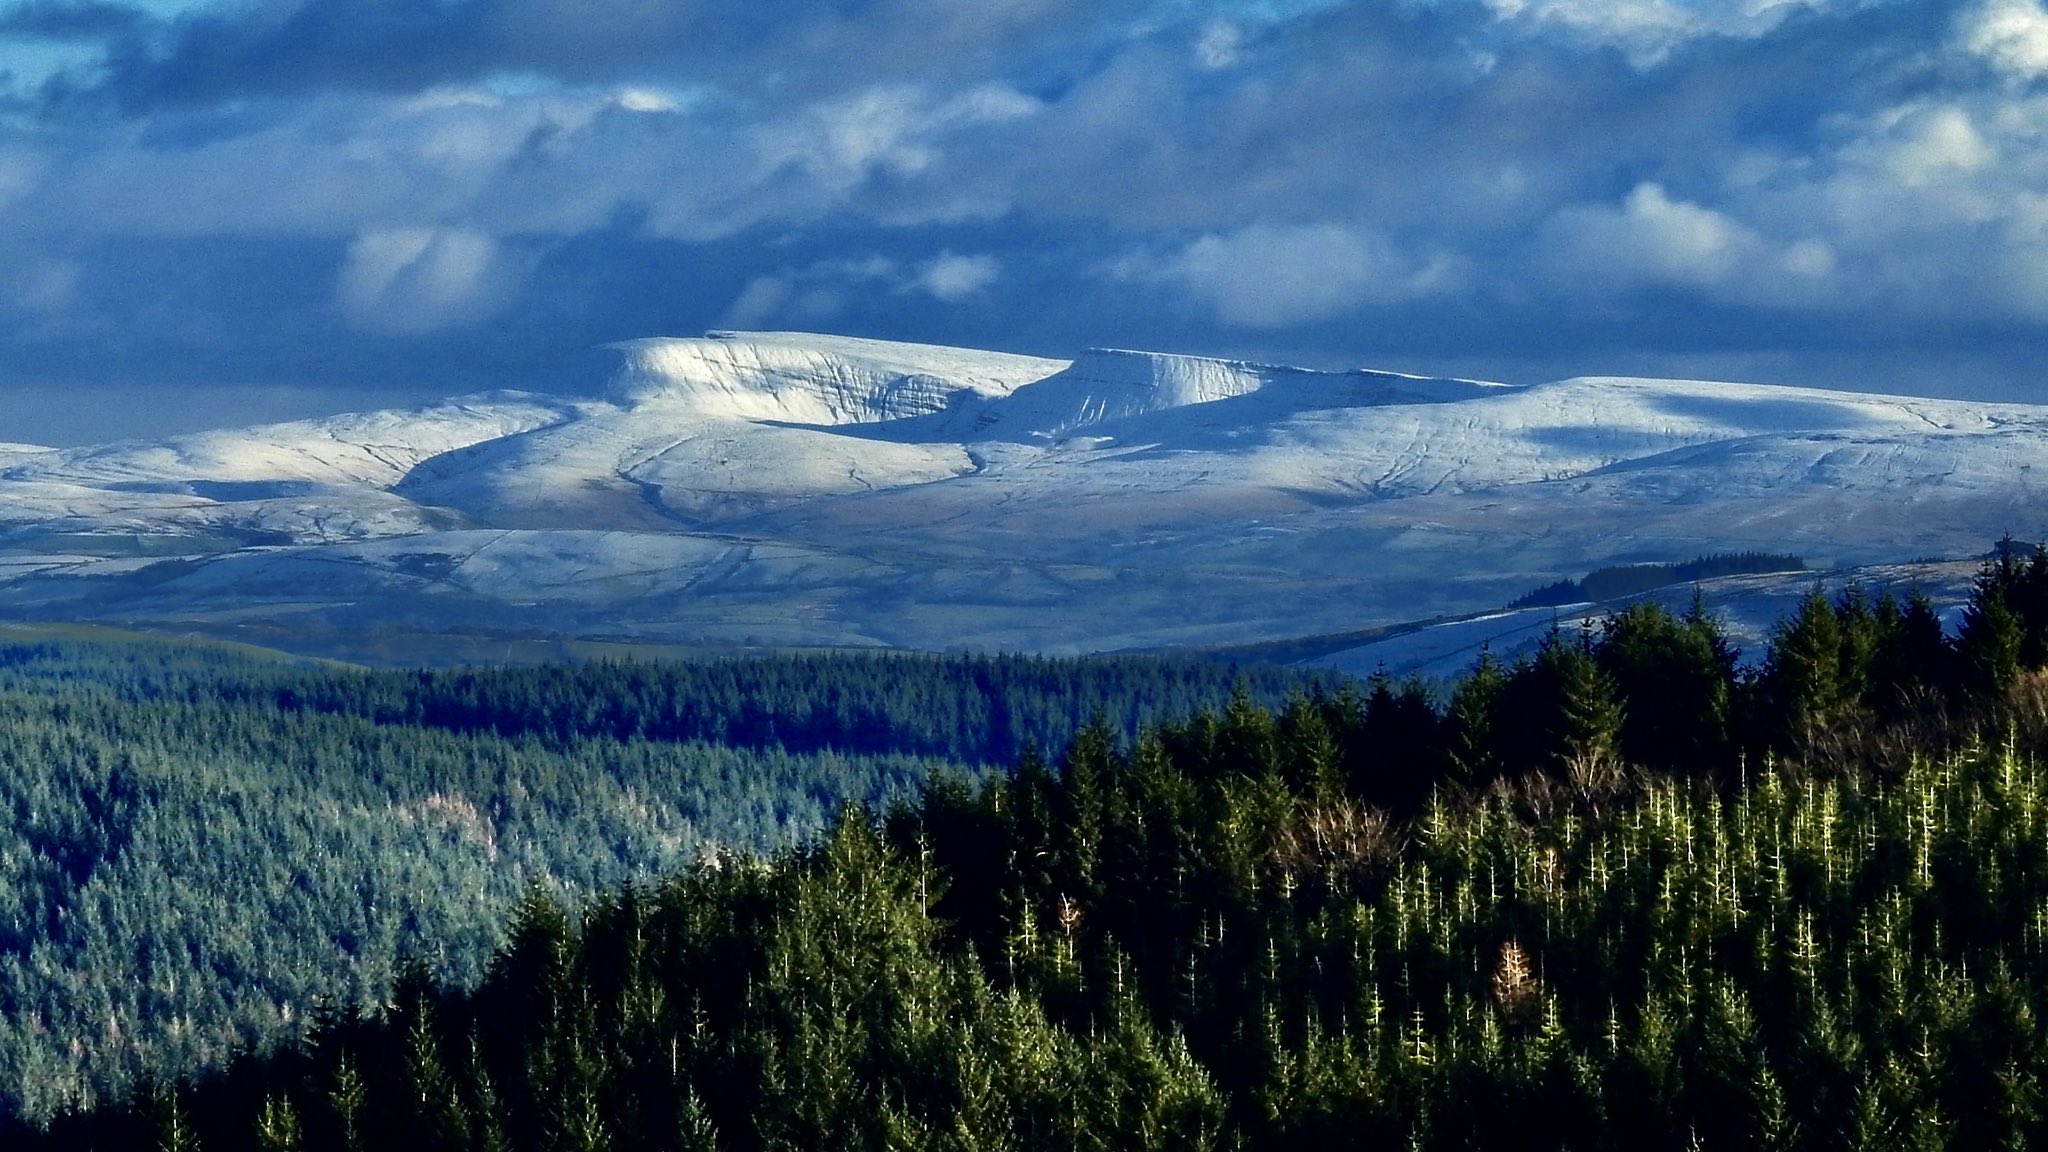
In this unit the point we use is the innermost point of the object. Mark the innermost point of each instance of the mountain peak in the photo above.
(811, 379)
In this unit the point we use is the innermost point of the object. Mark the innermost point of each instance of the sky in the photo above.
(216, 213)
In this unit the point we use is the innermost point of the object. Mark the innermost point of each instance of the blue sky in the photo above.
(216, 211)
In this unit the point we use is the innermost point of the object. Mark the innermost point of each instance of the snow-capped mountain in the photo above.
(799, 489)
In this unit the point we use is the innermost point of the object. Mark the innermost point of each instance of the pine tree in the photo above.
(1992, 636)
(1589, 719)
(1309, 757)
(1802, 675)
(694, 1130)
(1246, 741)
(1087, 776)
(169, 1117)
(1558, 709)
(1473, 754)
(347, 1101)
(1398, 748)
(277, 1127)
(1674, 680)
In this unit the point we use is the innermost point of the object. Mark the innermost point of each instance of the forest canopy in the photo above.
(1621, 893)
(199, 849)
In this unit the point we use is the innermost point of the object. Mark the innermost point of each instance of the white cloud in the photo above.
(19, 174)
(422, 279)
(2011, 34)
(891, 127)
(1649, 30)
(817, 160)
(646, 100)
(986, 104)
(1861, 162)
(1221, 46)
(1275, 276)
(1648, 239)
(952, 277)
(757, 304)
(1808, 260)
(447, 96)
(878, 128)
(1652, 240)
(1915, 183)
(1928, 142)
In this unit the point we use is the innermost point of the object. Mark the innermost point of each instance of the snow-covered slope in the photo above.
(321, 479)
(792, 488)
(1748, 608)
(813, 379)
(698, 430)
(1106, 386)
(375, 449)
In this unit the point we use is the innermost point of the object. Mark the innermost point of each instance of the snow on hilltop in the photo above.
(1105, 385)
(793, 488)
(813, 379)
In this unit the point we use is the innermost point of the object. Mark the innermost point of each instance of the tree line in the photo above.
(1618, 580)
(963, 707)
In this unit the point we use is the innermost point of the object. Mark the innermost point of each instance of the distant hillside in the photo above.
(789, 490)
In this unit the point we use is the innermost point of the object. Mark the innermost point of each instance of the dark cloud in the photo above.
(85, 20)
(442, 195)
(771, 51)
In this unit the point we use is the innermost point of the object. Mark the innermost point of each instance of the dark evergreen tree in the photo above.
(1309, 757)
(1673, 679)
(1802, 676)
(1558, 709)
(1909, 668)
(1474, 756)
(1994, 632)
(1206, 935)
(1395, 757)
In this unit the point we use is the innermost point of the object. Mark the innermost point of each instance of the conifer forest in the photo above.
(1629, 892)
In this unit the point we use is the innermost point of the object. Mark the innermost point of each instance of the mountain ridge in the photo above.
(784, 488)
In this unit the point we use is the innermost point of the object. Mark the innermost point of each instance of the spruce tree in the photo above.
(1309, 757)
(1802, 675)
(1472, 751)
(1673, 679)
(1587, 726)
(1398, 748)
(1993, 635)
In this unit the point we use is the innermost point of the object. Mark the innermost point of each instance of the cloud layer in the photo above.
(325, 190)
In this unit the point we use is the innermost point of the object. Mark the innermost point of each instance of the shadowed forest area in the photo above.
(200, 850)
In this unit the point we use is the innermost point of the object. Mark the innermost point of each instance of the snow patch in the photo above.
(14, 453)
